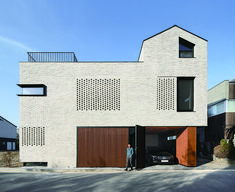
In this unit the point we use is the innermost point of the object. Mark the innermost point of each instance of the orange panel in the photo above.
(186, 147)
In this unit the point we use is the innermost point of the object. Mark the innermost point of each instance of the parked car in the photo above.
(160, 158)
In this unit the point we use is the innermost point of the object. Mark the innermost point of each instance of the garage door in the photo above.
(102, 147)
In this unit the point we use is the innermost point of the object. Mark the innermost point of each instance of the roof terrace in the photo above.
(51, 57)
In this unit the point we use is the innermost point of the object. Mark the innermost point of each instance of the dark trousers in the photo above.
(129, 159)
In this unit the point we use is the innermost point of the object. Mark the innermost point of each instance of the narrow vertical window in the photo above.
(185, 93)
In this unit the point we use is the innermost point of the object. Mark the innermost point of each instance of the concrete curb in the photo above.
(106, 170)
(206, 165)
(60, 170)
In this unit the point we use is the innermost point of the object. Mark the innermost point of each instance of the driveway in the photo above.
(160, 180)
(202, 164)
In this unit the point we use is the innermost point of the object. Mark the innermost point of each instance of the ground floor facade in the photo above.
(106, 146)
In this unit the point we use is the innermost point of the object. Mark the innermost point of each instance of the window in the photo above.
(186, 49)
(217, 108)
(32, 90)
(185, 93)
(171, 138)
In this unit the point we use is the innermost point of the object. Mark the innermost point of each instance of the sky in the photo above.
(105, 30)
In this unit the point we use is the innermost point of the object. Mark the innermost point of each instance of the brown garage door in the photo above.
(102, 147)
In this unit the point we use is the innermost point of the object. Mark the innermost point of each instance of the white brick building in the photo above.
(67, 106)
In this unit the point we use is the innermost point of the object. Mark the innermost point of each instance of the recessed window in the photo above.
(171, 138)
(32, 90)
(185, 93)
(186, 49)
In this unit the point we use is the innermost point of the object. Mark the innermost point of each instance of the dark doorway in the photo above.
(132, 143)
(139, 147)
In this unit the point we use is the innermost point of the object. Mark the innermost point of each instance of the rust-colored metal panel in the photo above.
(186, 147)
(181, 147)
(102, 147)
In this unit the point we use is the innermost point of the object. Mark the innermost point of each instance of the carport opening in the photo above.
(161, 139)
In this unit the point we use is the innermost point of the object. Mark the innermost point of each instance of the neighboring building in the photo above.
(83, 114)
(7, 135)
(221, 112)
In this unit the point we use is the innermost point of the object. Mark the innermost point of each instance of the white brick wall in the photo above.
(57, 112)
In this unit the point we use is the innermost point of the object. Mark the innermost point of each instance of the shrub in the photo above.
(225, 150)
(7, 158)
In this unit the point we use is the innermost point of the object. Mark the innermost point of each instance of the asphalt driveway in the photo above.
(160, 180)
(202, 164)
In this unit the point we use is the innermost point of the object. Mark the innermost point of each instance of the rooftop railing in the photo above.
(51, 57)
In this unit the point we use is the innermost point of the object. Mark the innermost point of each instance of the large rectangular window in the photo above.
(32, 89)
(185, 93)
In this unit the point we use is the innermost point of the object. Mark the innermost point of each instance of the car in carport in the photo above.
(159, 158)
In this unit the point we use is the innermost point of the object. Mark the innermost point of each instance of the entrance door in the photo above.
(139, 147)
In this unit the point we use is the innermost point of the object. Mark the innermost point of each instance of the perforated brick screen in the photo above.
(166, 93)
(33, 136)
(98, 94)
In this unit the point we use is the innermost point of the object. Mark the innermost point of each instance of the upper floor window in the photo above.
(186, 49)
(185, 93)
(32, 89)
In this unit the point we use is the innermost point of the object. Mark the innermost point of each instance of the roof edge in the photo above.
(7, 121)
(167, 30)
(171, 28)
(218, 84)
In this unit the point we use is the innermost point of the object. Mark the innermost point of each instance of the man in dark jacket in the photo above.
(129, 153)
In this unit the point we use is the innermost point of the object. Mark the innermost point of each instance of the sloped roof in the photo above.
(173, 27)
(232, 81)
(167, 30)
(1, 118)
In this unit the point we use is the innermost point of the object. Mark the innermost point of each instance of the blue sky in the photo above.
(105, 30)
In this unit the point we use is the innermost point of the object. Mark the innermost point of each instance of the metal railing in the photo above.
(51, 57)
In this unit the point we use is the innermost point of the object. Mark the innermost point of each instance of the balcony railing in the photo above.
(51, 57)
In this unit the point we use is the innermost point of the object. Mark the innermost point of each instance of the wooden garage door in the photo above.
(102, 147)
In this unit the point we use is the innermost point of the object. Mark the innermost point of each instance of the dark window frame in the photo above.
(188, 45)
(33, 86)
(178, 91)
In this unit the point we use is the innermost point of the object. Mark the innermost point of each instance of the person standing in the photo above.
(129, 154)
